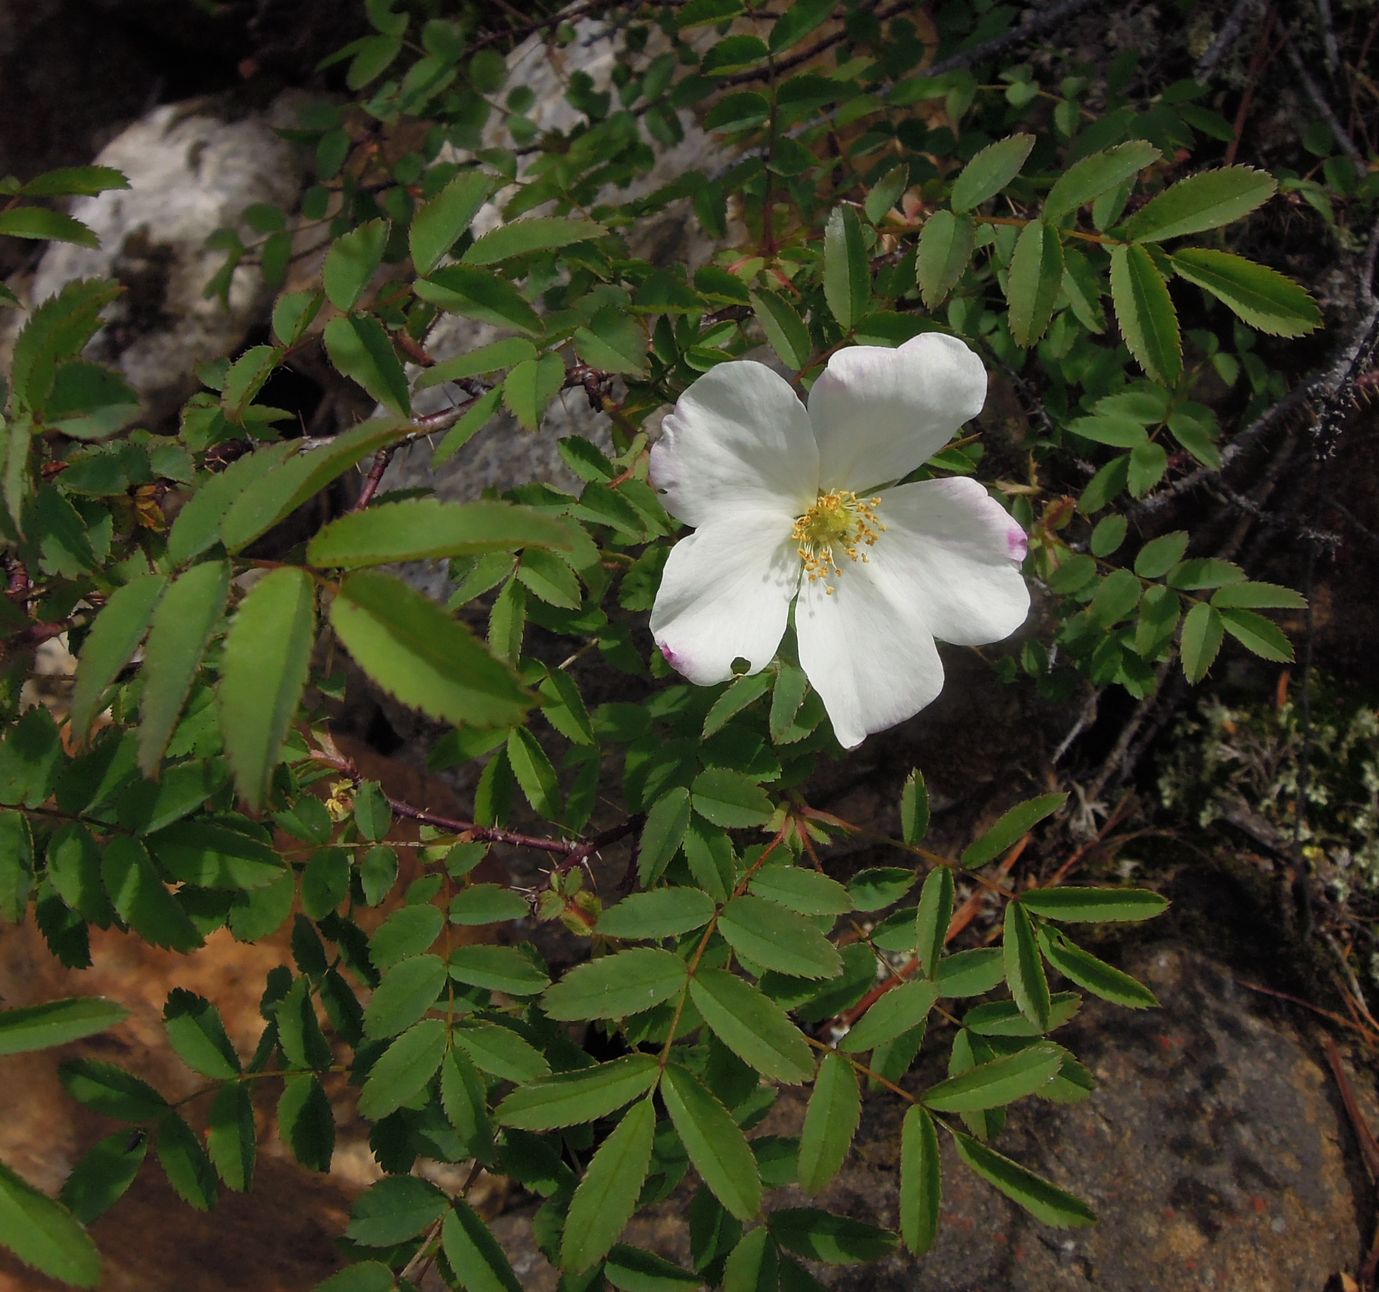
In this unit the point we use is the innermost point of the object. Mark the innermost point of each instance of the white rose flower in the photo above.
(788, 504)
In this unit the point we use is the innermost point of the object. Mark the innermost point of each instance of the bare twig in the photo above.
(1347, 144)
(1037, 24)
(1225, 38)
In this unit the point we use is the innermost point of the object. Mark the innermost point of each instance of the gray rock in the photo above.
(505, 455)
(191, 171)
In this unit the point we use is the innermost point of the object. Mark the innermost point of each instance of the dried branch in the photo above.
(1225, 38)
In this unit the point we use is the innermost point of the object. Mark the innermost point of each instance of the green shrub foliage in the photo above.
(1071, 229)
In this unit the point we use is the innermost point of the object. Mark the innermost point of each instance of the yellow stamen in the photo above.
(839, 522)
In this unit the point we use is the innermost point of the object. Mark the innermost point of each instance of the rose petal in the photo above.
(878, 413)
(866, 650)
(738, 438)
(725, 594)
(957, 553)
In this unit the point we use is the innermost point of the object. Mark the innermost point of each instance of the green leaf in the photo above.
(500, 1052)
(607, 1195)
(1003, 1017)
(506, 969)
(1203, 201)
(286, 485)
(1203, 629)
(1158, 556)
(16, 866)
(1096, 174)
(263, 673)
(140, 899)
(531, 386)
(246, 377)
(408, 932)
(932, 917)
(615, 986)
(232, 1136)
(1258, 596)
(715, 1145)
(426, 529)
(539, 233)
(796, 22)
(534, 773)
(395, 1209)
(730, 799)
(631, 1269)
(660, 913)
(440, 224)
(1036, 1195)
(1024, 969)
(997, 1082)
(75, 181)
(478, 294)
(732, 54)
(1094, 905)
(822, 1236)
(1144, 310)
(892, 1013)
(305, 1122)
(1009, 828)
(1257, 634)
(185, 1162)
(182, 623)
(36, 1027)
(58, 329)
(885, 193)
(774, 938)
(362, 1276)
(847, 272)
(945, 251)
(103, 1175)
(210, 854)
(44, 1234)
(1036, 273)
(487, 904)
(752, 1026)
(787, 695)
(421, 656)
(1262, 297)
(1086, 970)
(990, 171)
(585, 1095)
(351, 263)
(404, 1069)
(920, 1180)
(879, 886)
(613, 342)
(113, 639)
(754, 1264)
(1205, 572)
(914, 808)
(403, 995)
(48, 226)
(477, 363)
(804, 891)
(784, 330)
(830, 1121)
(970, 973)
(473, 1253)
(197, 1033)
(736, 697)
(361, 349)
(111, 1091)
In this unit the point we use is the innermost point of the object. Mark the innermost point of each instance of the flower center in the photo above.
(838, 524)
